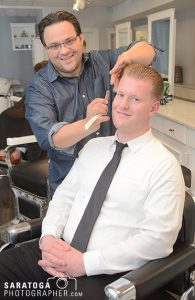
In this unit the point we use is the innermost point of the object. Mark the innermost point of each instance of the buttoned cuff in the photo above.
(92, 263)
(55, 231)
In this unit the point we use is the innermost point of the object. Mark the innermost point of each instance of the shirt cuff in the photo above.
(21, 149)
(55, 128)
(92, 263)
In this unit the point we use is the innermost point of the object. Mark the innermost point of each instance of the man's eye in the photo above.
(134, 99)
(120, 95)
(54, 47)
(69, 42)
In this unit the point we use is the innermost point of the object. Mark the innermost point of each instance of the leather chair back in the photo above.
(186, 234)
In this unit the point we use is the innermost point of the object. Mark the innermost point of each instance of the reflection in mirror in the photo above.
(141, 33)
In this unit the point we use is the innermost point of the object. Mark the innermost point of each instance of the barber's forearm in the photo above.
(70, 134)
(142, 53)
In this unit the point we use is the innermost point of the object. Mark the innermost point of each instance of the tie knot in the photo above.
(120, 147)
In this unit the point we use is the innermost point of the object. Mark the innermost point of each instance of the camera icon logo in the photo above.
(62, 282)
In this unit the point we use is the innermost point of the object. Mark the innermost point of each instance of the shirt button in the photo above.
(97, 133)
(83, 96)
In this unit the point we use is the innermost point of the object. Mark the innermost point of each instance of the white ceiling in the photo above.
(20, 7)
(32, 7)
(44, 3)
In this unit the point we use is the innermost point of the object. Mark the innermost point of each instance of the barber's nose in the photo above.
(63, 47)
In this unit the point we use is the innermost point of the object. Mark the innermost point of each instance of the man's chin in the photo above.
(68, 71)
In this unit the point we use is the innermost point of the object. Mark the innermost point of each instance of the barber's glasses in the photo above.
(67, 43)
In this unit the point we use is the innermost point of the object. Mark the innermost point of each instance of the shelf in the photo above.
(22, 36)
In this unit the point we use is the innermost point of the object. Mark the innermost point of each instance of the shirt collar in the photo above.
(139, 142)
(52, 73)
(85, 57)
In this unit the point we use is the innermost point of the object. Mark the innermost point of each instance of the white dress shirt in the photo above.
(142, 213)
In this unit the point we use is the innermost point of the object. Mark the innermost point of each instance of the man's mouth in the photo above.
(123, 113)
(67, 57)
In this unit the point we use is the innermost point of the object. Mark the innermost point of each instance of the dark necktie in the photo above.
(83, 232)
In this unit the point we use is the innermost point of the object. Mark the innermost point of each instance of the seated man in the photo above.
(139, 219)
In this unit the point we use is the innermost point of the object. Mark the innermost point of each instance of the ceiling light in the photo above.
(79, 4)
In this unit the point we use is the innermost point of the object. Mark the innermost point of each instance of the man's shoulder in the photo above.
(162, 152)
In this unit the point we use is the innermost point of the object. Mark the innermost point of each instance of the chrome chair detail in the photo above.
(29, 184)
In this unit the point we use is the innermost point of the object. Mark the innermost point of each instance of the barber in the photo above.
(71, 89)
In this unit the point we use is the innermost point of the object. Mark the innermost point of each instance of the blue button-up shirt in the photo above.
(53, 100)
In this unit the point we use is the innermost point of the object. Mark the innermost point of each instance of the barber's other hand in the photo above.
(123, 60)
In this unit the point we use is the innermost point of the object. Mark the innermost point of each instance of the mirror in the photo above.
(161, 33)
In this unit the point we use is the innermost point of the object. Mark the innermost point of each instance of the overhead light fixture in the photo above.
(79, 4)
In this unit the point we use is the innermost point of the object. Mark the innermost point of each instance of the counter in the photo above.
(180, 111)
(174, 126)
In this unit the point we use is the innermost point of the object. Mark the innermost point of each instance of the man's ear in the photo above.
(81, 36)
(155, 107)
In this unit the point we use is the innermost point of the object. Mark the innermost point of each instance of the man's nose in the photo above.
(124, 103)
(63, 47)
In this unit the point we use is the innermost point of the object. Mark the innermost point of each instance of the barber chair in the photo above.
(173, 274)
(29, 184)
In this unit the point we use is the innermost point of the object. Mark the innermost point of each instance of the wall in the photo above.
(99, 17)
(14, 64)
(131, 8)
(185, 27)
(19, 64)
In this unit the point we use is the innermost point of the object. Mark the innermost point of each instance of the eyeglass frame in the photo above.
(67, 43)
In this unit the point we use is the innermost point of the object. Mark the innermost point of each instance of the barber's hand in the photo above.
(97, 106)
(116, 72)
(60, 259)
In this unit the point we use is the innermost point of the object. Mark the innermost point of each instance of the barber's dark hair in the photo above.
(57, 17)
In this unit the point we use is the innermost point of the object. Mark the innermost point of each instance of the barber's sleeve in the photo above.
(55, 128)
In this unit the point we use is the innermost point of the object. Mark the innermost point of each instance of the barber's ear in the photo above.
(155, 107)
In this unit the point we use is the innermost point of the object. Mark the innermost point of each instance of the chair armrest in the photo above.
(142, 282)
(21, 140)
(17, 141)
(24, 231)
